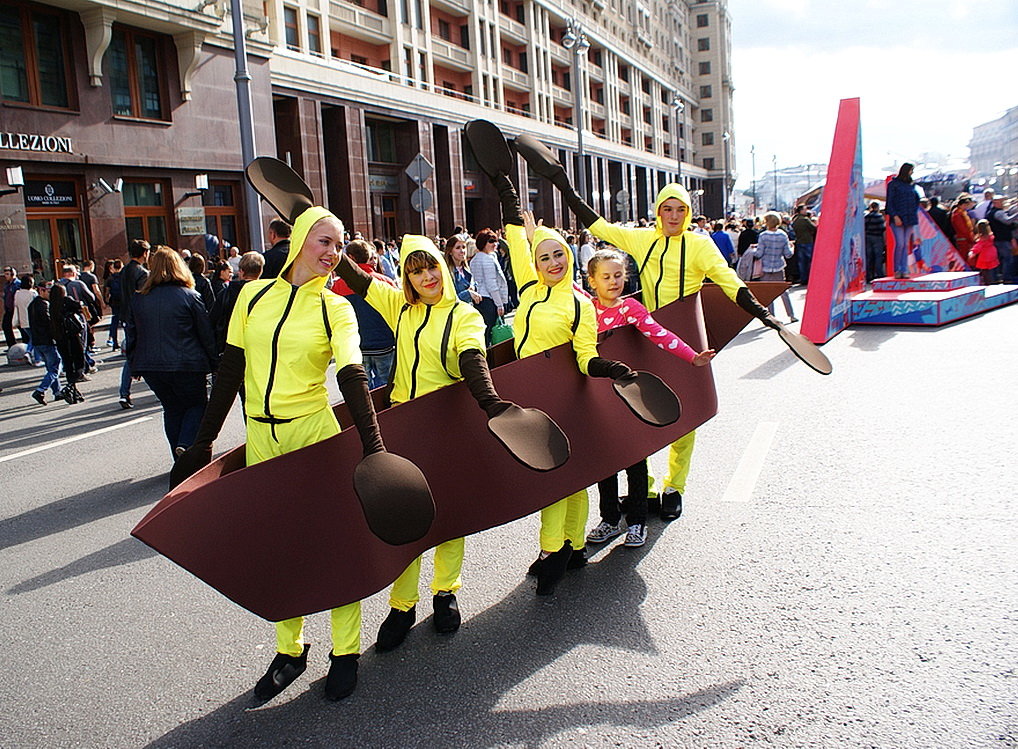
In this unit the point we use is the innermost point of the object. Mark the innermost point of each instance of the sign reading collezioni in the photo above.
(35, 142)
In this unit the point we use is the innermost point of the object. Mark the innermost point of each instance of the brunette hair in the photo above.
(447, 250)
(484, 238)
(138, 247)
(196, 264)
(57, 294)
(905, 172)
(602, 256)
(983, 228)
(415, 261)
(359, 250)
(166, 266)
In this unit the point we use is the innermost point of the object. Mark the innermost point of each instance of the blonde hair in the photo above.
(166, 266)
(772, 217)
(602, 256)
(415, 261)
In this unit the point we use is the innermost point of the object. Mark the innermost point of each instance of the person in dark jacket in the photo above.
(68, 318)
(41, 330)
(251, 266)
(873, 228)
(196, 264)
(1002, 225)
(941, 218)
(903, 211)
(172, 348)
(275, 257)
(747, 237)
(131, 279)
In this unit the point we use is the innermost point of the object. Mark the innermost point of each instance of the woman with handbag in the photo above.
(490, 281)
(771, 251)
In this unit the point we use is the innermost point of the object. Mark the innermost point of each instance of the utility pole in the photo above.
(244, 110)
(752, 154)
(774, 161)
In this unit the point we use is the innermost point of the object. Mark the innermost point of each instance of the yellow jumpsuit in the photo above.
(545, 319)
(287, 348)
(672, 268)
(419, 329)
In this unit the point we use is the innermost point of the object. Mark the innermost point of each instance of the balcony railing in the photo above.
(361, 23)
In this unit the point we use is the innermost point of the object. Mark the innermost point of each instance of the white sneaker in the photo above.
(606, 531)
(636, 535)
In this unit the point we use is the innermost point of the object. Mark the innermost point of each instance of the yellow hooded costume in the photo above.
(547, 317)
(289, 334)
(429, 341)
(672, 268)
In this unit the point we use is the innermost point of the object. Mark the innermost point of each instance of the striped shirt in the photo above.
(772, 248)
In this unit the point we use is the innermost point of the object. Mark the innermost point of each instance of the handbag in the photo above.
(501, 331)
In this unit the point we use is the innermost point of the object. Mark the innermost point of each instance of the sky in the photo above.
(926, 74)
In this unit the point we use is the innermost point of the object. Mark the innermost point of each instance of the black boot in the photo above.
(395, 628)
(551, 569)
(671, 505)
(577, 559)
(342, 679)
(281, 674)
(447, 613)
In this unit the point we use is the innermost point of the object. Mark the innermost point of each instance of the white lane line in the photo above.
(86, 435)
(743, 482)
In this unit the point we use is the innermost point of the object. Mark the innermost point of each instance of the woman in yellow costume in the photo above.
(281, 337)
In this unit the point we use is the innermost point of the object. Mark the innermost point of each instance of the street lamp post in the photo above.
(774, 161)
(577, 41)
(725, 137)
(242, 78)
(680, 107)
(752, 155)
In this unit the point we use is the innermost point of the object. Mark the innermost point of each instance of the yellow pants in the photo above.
(566, 520)
(448, 565)
(679, 455)
(264, 442)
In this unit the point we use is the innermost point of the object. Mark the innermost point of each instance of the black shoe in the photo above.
(551, 569)
(395, 629)
(68, 395)
(447, 613)
(40, 398)
(577, 559)
(281, 674)
(125, 402)
(671, 505)
(342, 679)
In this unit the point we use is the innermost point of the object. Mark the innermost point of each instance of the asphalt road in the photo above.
(844, 574)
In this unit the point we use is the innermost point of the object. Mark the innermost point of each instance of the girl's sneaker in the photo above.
(606, 531)
(636, 535)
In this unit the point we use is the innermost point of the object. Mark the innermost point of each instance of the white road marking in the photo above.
(743, 482)
(86, 435)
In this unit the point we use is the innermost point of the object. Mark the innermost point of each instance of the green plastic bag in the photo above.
(502, 331)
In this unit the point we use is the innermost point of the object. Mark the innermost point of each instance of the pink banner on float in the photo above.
(838, 269)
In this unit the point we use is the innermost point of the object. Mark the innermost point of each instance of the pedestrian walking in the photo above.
(41, 329)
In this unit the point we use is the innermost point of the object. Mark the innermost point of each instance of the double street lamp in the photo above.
(576, 41)
(725, 136)
(679, 107)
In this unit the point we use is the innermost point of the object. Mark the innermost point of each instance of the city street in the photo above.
(844, 574)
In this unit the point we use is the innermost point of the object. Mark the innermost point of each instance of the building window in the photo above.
(705, 68)
(290, 25)
(444, 30)
(703, 44)
(145, 211)
(706, 115)
(645, 85)
(314, 35)
(33, 58)
(707, 139)
(595, 57)
(708, 163)
(507, 56)
(624, 73)
(702, 21)
(624, 105)
(706, 92)
(524, 66)
(465, 36)
(134, 66)
(358, 59)
(381, 141)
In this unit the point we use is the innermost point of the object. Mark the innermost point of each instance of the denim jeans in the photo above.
(115, 326)
(125, 373)
(378, 367)
(183, 396)
(1007, 262)
(902, 240)
(52, 377)
(805, 254)
(875, 262)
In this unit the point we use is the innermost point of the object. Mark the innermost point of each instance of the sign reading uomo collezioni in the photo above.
(35, 142)
(50, 193)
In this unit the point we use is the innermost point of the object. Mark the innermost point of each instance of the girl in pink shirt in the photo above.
(983, 255)
(606, 273)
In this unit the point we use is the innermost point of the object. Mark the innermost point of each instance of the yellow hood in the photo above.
(301, 229)
(417, 242)
(673, 190)
(542, 233)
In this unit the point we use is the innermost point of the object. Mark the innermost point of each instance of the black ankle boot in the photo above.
(342, 679)
(447, 613)
(395, 629)
(282, 672)
(551, 569)
(671, 505)
(577, 559)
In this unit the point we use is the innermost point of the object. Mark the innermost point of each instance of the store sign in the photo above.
(469, 185)
(190, 221)
(35, 142)
(43, 194)
(383, 183)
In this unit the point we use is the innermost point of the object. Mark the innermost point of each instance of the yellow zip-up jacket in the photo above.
(670, 267)
(287, 346)
(420, 329)
(547, 315)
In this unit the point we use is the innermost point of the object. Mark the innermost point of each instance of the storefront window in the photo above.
(133, 69)
(33, 61)
(145, 211)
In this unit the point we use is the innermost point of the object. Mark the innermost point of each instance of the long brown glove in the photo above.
(598, 367)
(353, 384)
(543, 161)
(474, 368)
(229, 378)
(745, 299)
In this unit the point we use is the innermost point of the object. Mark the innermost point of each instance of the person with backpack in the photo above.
(112, 291)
